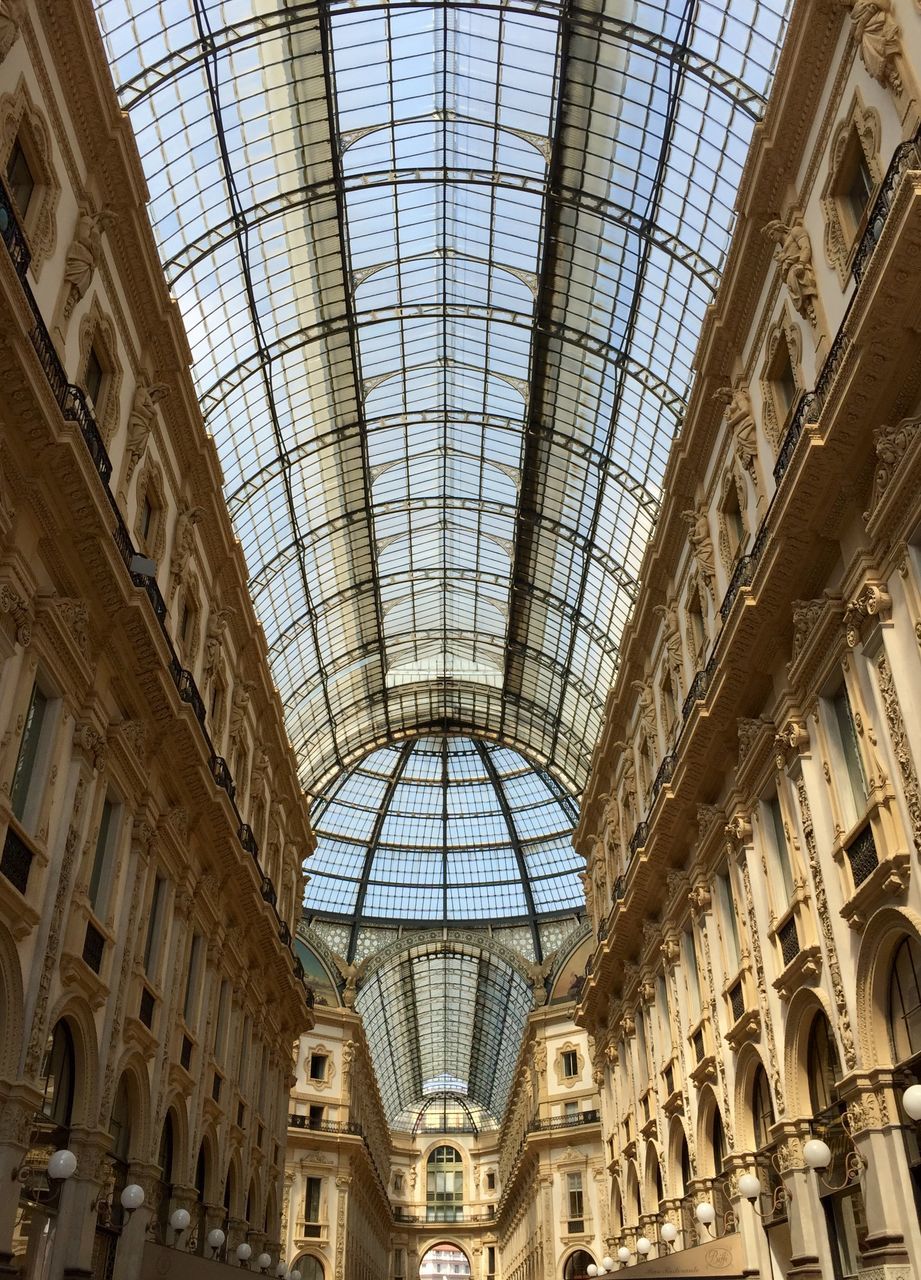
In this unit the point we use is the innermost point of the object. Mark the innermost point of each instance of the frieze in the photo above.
(892, 443)
(901, 748)
(822, 912)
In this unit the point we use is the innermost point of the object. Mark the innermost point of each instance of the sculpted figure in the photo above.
(238, 704)
(140, 423)
(701, 544)
(878, 38)
(793, 252)
(214, 638)
(741, 423)
(647, 707)
(83, 254)
(184, 541)
(10, 25)
(669, 614)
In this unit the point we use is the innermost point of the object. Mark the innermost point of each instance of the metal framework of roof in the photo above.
(444, 1017)
(443, 267)
(444, 829)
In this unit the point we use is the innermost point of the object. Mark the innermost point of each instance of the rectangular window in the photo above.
(642, 1044)
(490, 1181)
(20, 179)
(574, 1200)
(154, 926)
(570, 1109)
(312, 1200)
(193, 980)
(781, 848)
(491, 1259)
(570, 1063)
(729, 922)
(691, 974)
(243, 1067)
(101, 873)
(315, 1116)
(25, 775)
(147, 513)
(263, 1074)
(220, 1035)
(92, 378)
(318, 1063)
(852, 786)
(399, 1264)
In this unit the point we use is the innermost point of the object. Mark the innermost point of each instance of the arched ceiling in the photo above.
(444, 1017)
(443, 830)
(443, 268)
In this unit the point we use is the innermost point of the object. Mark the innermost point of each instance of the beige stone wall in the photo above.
(151, 821)
(752, 820)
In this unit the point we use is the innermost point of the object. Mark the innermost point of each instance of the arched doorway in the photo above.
(444, 1262)
(577, 1264)
(311, 1268)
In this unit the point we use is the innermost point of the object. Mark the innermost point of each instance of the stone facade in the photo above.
(752, 821)
(151, 821)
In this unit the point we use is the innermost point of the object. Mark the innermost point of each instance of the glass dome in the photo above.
(444, 829)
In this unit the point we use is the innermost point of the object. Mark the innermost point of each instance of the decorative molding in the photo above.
(793, 254)
(864, 124)
(20, 118)
(901, 748)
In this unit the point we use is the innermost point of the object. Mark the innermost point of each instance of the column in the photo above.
(892, 1243)
(810, 1255)
(130, 1249)
(72, 1251)
(17, 1108)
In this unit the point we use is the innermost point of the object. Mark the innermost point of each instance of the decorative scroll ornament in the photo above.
(792, 737)
(892, 443)
(805, 616)
(11, 602)
(91, 742)
(793, 253)
(738, 832)
(700, 898)
(879, 39)
(748, 731)
(872, 600)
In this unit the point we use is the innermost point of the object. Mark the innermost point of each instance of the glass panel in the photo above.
(24, 774)
(382, 296)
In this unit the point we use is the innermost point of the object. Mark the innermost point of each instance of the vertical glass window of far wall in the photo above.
(778, 841)
(100, 877)
(849, 775)
(24, 775)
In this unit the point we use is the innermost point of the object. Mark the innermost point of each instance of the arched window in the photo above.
(58, 1071)
(310, 1268)
(165, 1161)
(717, 1143)
(762, 1109)
(822, 1065)
(201, 1184)
(577, 1264)
(905, 1001)
(120, 1129)
(444, 1186)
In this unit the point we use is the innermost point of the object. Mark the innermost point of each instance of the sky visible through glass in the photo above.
(443, 269)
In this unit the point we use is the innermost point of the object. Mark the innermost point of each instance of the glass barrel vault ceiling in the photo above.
(444, 829)
(443, 268)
